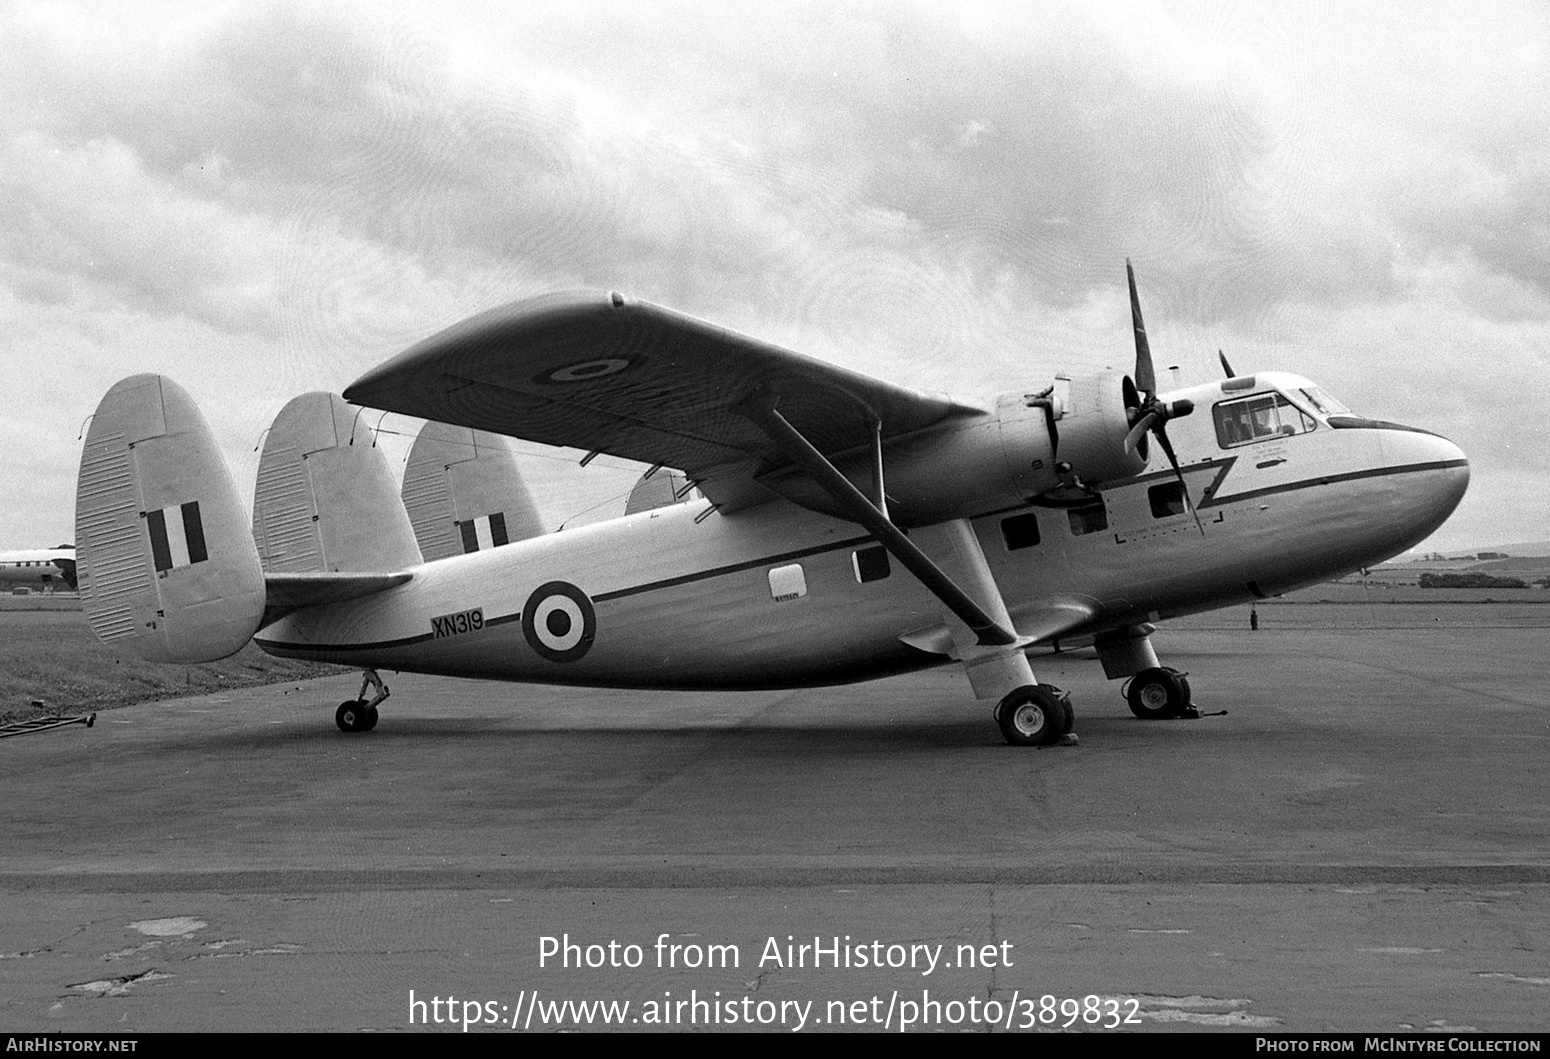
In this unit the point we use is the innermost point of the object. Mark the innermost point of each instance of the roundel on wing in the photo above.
(587, 370)
(559, 622)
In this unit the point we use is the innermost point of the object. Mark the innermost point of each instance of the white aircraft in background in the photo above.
(829, 527)
(39, 566)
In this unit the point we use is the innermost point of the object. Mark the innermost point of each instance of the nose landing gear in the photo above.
(357, 714)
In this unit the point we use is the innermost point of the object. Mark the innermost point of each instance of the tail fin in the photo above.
(662, 489)
(325, 499)
(166, 568)
(463, 492)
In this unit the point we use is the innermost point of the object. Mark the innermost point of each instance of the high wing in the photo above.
(600, 372)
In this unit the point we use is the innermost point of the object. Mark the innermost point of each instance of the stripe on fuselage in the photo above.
(1221, 467)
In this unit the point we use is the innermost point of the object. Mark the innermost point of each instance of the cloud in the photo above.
(91, 212)
(941, 194)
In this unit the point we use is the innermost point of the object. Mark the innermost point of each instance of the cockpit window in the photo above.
(1323, 403)
(1259, 418)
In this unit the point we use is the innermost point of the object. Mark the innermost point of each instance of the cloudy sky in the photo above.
(260, 199)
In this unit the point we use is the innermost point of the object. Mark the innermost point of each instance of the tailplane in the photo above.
(166, 567)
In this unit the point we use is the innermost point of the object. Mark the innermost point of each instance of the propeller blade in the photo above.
(1226, 366)
(1167, 447)
(1153, 413)
(1138, 432)
(1145, 380)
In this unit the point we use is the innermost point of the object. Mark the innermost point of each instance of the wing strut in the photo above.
(763, 414)
(880, 500)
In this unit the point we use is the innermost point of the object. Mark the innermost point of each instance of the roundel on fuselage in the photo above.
(559, 622)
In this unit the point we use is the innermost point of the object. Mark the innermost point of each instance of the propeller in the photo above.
(1152, 414)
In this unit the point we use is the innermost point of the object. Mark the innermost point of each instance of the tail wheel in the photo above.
(1156, 694)
(1034, 715)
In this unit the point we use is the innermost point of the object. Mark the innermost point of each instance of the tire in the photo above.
(351, 716)
(371, 718)
(1157, 694)
(1034, 715)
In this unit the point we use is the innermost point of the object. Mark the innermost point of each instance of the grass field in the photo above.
(1348, 606)
(47, 652)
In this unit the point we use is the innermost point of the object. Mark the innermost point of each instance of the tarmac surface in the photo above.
(1359, 844)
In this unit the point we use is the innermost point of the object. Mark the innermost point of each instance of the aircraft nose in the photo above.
(1453, 477)
(1457, 478)
(1442, 470)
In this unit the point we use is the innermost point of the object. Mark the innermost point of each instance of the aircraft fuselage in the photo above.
(780, 596)
(38, 566)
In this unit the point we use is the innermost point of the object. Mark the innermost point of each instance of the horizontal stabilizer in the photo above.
(325, 500)
(288, 592)
(464, 493)
(166, 566)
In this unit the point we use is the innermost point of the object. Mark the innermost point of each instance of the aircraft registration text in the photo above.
(456, 624)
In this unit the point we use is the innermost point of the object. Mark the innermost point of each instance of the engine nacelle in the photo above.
(1091, 426)
(999, 460)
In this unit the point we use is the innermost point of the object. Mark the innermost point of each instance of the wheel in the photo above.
(1034, 715)
(1158, 693)
(371, 718)
(352, 716)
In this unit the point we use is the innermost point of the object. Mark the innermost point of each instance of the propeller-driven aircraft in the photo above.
(39, 566)
(820, 526)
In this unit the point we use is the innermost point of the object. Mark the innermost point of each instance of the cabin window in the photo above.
(1166, 499)
(1020, 531)
(1258, 418)
(787, 583)
(1090, 517)
(870, 564)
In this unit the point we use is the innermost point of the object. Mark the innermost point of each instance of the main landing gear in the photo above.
(1034, 715)
(358, 715)
(1160, 693)
(1155, 692)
